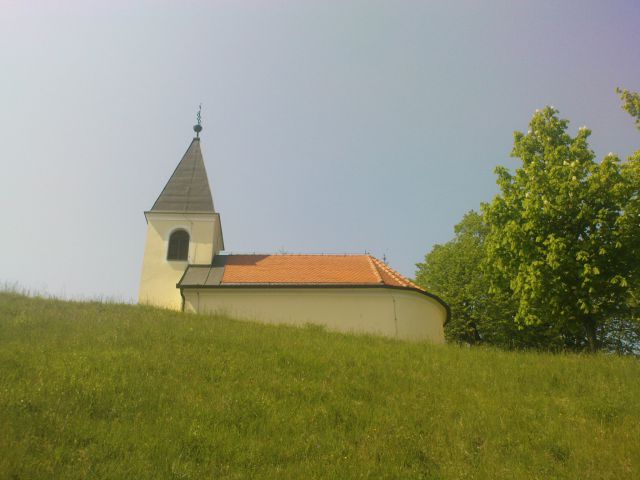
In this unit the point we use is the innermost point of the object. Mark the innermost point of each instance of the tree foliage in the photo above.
(554, 260)
(631, 103)
(454, 272)
(563, 232)
(630, 325)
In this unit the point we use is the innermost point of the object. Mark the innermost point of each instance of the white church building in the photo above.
(184, 269)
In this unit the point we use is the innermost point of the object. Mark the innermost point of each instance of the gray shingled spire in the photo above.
(188, 188)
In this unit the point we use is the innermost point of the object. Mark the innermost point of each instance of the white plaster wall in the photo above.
(159, 275)
(412, 308)
(394, 313)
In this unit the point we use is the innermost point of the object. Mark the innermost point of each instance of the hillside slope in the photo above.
(91, 390)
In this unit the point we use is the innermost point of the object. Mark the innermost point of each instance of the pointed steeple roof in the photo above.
(188, 188)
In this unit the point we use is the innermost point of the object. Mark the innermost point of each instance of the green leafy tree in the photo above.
(454, 272)
(626, 335)
(631, 103)
(563, 232)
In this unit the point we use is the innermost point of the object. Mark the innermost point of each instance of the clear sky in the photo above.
(329, 126)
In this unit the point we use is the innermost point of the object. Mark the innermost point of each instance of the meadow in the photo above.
(103, 390)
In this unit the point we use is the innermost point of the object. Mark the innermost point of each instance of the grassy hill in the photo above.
(91, 390)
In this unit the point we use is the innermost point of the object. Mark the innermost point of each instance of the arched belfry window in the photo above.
(178, 246)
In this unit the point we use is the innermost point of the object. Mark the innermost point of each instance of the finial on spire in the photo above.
(198, 127)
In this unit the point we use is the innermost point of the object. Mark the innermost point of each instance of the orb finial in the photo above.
(198, 127)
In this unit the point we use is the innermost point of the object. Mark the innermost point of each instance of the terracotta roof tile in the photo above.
(374, 268)
(391, 277)
(290, 269)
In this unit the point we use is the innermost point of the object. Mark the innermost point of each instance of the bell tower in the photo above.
(183, 229)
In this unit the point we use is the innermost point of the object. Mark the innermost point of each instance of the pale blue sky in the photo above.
(333, 126)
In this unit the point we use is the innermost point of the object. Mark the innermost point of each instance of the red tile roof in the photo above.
(310, 270)
(391, 277)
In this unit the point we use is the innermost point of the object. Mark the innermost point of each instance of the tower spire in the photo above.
(188, 187)
(198, 126)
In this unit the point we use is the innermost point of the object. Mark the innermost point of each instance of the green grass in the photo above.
(93, 390)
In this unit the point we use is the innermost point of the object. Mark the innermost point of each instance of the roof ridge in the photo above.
(399, 277)
(393, 274)
(373, 267)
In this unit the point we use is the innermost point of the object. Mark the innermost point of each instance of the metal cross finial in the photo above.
(198, 127)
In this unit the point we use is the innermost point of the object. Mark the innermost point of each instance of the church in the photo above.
(185, 268)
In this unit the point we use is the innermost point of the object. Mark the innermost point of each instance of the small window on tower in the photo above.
(178, 246)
